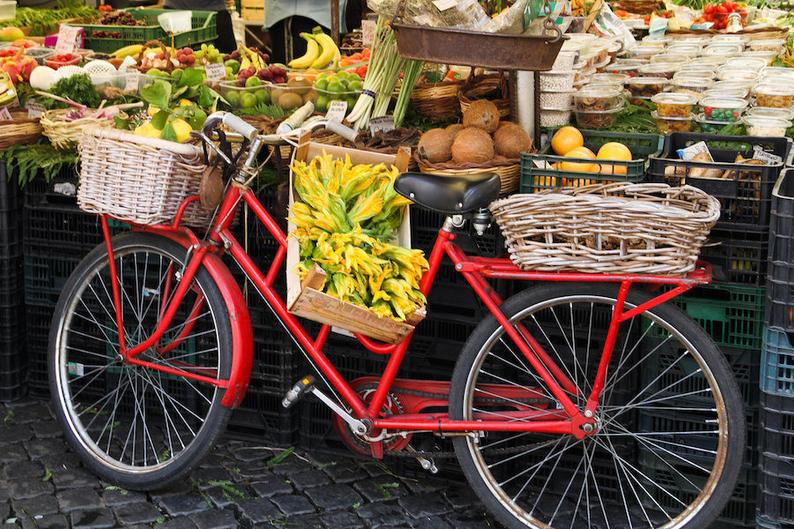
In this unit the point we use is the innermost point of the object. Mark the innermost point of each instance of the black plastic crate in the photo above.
(780, 283)
(38, 319)
(263, 418)
(46, 273)
(10, 194)
(763, 522)
(740, 510)
(738, 255)
(67, 226)
(776, 500)
(777, 425)
(61, 190)
(16, 387)
(424, 231)
(744, 190)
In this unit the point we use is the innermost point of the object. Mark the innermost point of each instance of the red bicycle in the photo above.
(585, 400)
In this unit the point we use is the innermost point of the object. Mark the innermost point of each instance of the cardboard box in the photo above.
(305, 300)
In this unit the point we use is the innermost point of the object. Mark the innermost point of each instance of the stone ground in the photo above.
(43, 485)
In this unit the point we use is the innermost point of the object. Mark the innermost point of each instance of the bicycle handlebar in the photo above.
(236, 124)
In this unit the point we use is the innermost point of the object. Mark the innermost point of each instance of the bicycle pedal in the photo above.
(301, 388)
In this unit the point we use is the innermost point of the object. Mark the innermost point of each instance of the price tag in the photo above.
(336, 111)
(215, 71)
(381, 124)
(443, 5)
(35, 110)
(367, 32)
(131, 84)
(67, 39)
(767, 157)
(657, 26)
(5, 114)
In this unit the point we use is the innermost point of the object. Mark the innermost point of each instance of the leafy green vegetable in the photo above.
(46, 21)
(26, 162)
(635, 118)
(191, 77)
(208, 98)
(78, 88)
(263, 109)
(158, 94)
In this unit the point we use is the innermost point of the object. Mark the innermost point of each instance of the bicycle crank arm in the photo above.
(357, 426)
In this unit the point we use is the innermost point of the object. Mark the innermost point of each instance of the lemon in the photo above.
(147, 130)
(182, 129)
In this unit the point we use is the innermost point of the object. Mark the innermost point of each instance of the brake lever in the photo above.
(206, 141)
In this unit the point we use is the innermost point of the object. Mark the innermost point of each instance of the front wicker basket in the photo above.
(140, 180)
(608, 228)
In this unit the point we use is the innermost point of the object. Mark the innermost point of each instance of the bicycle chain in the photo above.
(446, 454)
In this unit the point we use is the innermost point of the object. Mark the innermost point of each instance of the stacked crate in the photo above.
(731, 309)
(13, 363)
(776, 505)
(56, 236)
(276, 360)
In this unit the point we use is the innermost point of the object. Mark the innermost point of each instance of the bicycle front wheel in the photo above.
(135, 426)
(669, 437)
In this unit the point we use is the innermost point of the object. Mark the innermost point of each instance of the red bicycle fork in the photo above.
(476, 271)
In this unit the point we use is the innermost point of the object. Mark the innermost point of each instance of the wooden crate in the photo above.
(305, 300)
(253, 11)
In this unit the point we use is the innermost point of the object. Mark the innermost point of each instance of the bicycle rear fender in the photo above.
(239, 320)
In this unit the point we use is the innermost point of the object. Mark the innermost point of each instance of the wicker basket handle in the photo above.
(156, 43)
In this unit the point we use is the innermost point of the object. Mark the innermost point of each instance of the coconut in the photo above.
(472, 145)
(435, 146)
(482, 114)
(454, 129)
(510, 140)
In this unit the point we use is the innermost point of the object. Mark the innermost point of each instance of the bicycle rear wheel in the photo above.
(670, 433)
(135, 426)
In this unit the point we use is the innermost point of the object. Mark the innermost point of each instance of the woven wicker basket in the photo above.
(141, 180)
(509, 171)
(437, 100)
(486, 86)
(503, 105)
(66, 134)
(19, 131)
(611, 228)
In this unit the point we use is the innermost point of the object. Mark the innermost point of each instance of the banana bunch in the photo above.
(132, 50)
(321, 51)
(347, 214)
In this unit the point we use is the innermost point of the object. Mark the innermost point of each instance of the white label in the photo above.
(131, 84)
(689, 153)
(381, 124)
(767, 157)
(443, 5)
(658, 25)
(127, 62)
(75, 368)
(367, 32)
(35, 110)
(5, 114)
(67, 39)
(215, 71)
(65, 188)
(336, 111)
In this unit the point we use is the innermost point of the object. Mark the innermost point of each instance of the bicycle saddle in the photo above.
(451, 195)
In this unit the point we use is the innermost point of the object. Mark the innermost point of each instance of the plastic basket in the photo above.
(61, 190)
(733, 315)
(744, 190)
(777, 363)
(204, 26)
(424, 231)
(261, 417)
(46, 273)
(737, 255)
(777, 425)
(37, 329)
(9, 190)
(538, 172)
(64, 225)
(763, 522)
(780, 283)
(776, 499)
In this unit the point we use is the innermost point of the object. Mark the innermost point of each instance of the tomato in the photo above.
(709, 9)
(105, 8)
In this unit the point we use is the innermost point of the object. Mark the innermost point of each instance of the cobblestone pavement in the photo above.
(43, 485)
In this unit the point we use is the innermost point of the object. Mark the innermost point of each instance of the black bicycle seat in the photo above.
(451, 195)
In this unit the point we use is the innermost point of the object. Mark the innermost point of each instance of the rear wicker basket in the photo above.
(141, 180)
(611, 228)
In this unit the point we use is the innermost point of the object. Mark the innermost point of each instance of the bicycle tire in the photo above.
(496, 498)
(99, 461)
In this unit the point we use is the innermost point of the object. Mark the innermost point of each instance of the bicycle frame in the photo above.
(476, 270)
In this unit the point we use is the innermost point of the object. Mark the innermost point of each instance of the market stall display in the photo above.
(702, 104)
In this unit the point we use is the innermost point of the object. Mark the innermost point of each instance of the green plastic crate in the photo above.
(534, 179)
(204, 26)
(733, 315)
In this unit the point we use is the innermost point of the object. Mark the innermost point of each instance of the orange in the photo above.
(614, 151)
(566, 139)
(576, 167)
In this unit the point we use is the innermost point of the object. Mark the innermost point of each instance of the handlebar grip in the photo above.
(240, 126)
(342, 130)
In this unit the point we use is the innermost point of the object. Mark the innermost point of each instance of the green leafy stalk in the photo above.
(26, 162)
(411, 73)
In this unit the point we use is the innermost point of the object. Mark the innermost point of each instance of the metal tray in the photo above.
(471, 48)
